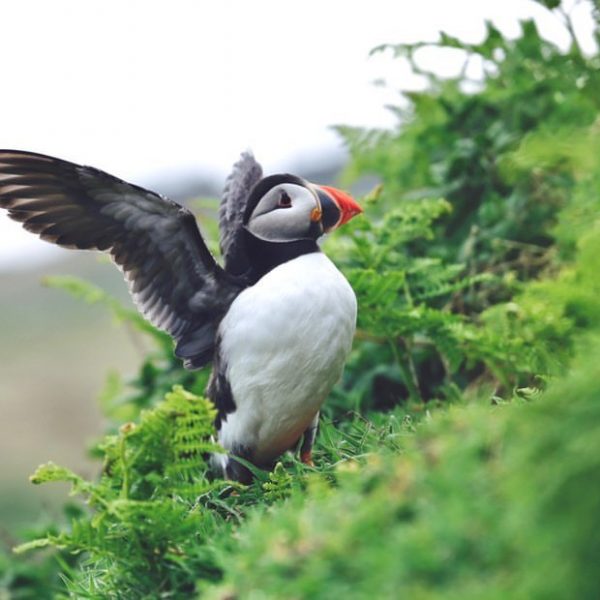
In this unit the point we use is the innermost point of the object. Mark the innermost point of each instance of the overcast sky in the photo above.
(148, 89)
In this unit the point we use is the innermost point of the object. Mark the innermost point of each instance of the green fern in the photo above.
(147, 526)
(280, 484)
(406, 300)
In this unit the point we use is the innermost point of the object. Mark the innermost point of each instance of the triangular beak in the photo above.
(348, 206)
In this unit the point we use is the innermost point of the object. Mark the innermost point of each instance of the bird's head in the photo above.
(285, 208)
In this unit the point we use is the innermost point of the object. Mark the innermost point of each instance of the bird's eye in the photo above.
(284, 201)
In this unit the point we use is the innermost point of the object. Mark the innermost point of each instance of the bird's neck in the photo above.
(265, 256)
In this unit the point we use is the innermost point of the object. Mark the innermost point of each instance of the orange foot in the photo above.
(306, 458)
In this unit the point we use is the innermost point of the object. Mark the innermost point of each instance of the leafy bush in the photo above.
(494, 504)
(516, 159)
(148, 531)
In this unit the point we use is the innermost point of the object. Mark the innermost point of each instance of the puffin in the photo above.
(276, 320)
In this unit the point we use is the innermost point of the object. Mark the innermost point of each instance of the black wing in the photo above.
(246, 173)
(174, 280)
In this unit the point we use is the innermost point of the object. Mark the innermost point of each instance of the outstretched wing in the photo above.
(174, 280)
(246, 173)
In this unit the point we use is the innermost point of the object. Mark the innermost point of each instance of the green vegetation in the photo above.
(460, 455)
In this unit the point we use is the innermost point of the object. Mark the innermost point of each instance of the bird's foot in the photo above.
(306, 458)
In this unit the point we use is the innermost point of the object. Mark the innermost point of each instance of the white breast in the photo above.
(285, 341)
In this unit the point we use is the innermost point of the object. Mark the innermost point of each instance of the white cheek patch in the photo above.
(279, 227)
(271, 223)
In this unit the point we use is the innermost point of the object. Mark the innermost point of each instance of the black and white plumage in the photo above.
(277, 321)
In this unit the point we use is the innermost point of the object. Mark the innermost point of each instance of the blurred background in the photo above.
(167, 96)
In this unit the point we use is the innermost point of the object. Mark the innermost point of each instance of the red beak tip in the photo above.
(347, 204)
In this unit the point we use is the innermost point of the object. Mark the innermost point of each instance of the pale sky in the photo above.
(147, 89)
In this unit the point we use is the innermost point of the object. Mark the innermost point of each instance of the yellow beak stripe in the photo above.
(316, 214)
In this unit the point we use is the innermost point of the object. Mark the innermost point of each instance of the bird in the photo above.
(276, 319)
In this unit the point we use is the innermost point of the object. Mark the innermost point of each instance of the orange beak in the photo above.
(348, 206)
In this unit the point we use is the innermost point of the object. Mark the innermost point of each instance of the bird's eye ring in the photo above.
(284, 201)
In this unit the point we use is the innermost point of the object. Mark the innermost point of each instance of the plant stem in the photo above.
(125, 486)
(568, 23)
(407, 368)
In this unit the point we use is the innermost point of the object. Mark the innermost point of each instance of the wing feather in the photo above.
(246, 173)
(173, 279)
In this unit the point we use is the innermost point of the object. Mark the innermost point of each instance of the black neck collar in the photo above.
(265, 256)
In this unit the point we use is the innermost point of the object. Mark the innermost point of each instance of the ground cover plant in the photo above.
(459, 455)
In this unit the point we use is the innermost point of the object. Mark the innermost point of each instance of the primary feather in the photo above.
(174, 280)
